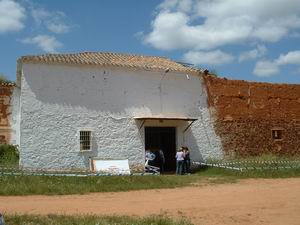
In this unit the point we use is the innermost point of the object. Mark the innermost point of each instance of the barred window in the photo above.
(85, 140)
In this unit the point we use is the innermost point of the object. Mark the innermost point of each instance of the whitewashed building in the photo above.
(76, 107)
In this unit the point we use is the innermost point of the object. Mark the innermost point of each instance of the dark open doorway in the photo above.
(163, 138)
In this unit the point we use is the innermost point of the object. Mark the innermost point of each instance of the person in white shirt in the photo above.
(179, 161)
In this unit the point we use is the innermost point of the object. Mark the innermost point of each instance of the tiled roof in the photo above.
(111, 59)
(7, 83)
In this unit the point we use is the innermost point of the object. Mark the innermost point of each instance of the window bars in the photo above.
(85, 140)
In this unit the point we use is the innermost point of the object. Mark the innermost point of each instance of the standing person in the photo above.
(187, 160)
(179, 161)
(157, 157)
(1, 219)
(162, 160)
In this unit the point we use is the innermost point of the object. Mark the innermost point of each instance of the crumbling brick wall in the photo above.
(245, 113)
(6, 94)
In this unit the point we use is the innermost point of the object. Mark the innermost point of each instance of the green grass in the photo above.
(234, 174)
(262, 157)
(47, 185)
(90, 220)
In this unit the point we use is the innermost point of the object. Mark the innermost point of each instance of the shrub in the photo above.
(9, 154)
(3, 78)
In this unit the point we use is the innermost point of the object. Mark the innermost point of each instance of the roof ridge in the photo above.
(96, 52)
(124, 54)
(109, 58)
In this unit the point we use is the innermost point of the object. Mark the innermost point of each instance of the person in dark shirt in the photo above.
(187, 160)
(162, 160)
(157, 157)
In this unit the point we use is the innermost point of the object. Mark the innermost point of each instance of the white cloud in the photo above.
(39, 15)
(216, 57)
(292, 57)
(268, 68)
(139, 35)
(12, 16)
(54, 21)
(58, 28)
(259, 51)
(45, 42)
(182, 5)
(214, 23)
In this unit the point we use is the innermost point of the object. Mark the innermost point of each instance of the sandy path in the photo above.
(262, 201)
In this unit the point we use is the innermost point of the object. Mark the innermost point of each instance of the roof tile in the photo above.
(110, 59)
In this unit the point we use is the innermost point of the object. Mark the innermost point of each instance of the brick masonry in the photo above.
(248, 116)
(6, 95)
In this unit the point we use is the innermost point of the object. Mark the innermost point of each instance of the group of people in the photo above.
(155, 157)
(183, 161)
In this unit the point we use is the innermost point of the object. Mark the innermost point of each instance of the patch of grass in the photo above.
(55, 185)
(47, 185)
(261, 173)
(90, 220)
(262, 157)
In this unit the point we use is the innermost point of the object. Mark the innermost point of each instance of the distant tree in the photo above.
(214, 72)
(3, 78)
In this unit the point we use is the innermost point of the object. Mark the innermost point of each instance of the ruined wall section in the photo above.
(246, 115)
(6, 98)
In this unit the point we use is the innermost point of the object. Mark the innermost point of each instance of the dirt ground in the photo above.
(253, 201)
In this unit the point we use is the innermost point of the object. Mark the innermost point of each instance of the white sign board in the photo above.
(111, 166)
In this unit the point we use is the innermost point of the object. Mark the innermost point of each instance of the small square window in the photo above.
(85, 140)
(277, 134)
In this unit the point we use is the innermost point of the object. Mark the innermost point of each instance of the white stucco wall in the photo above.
(58, 101)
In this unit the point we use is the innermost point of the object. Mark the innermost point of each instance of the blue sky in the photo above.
(250, 40)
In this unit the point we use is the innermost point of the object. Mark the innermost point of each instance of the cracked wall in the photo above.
(6, 98)
(245, 113)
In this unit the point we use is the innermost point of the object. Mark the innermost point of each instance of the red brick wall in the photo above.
(246, 112)
(6, 90)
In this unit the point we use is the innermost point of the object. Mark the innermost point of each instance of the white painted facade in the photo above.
(57, 101)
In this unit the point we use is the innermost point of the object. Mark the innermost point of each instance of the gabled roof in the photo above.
(152, 63)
